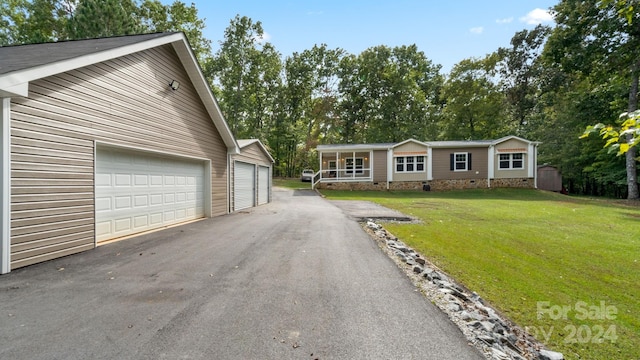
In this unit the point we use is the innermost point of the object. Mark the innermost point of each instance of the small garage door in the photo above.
(263, 185)
(243, 185)
(138, 191)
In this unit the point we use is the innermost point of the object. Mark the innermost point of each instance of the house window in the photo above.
(410, 164)
(354, 163)
(399, 164)
(461, 161)
(511, 161)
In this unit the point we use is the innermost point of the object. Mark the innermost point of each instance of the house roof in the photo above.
(342, 147)
(433, 144)
(22, 64)
(243, 143)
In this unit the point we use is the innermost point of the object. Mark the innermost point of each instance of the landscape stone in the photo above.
(550, 355)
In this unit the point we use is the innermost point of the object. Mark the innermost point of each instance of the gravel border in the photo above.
(494, 335)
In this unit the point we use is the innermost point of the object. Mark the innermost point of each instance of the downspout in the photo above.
(389, 166)
(5, 186)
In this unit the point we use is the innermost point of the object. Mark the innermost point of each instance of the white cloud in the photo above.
(476, 30)
(264, 38)
(537, 16)
(505, 20)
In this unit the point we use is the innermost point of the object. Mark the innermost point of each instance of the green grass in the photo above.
(291, 183)
(520, 249)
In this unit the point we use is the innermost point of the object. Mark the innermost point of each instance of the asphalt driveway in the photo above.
(294, 279)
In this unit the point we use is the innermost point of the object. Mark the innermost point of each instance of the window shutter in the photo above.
(452, 162)
(468, 161)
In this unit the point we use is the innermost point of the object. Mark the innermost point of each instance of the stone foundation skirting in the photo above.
(434, 185)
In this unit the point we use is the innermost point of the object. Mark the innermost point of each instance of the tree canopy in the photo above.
(547, 85)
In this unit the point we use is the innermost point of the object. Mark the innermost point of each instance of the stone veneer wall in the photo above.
(528, 183)
(436, 185)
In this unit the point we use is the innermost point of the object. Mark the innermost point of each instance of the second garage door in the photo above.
(244, 179)
(263, 184)
(138, 191)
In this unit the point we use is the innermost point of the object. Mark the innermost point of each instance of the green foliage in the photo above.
(473, 109)
(619, 138)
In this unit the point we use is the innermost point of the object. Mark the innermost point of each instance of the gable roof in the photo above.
(411, 140)
(22, 64)
(246, 142)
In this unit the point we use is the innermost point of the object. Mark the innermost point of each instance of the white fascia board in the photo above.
(14, 90)
(39, 72)
(5, 186)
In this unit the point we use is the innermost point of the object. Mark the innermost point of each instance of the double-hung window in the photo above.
(460, 161)
(511, 161)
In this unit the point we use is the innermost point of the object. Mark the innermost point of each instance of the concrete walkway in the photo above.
(294, 279)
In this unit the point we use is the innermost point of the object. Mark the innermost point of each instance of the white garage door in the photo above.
(243, 185)
(138, 191)
(263, 185)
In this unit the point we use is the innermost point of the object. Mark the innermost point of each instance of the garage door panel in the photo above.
(244, 188)
(137, 192)
(263, 185)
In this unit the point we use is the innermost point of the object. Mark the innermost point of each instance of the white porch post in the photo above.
(390, 166)
(491, 165)
(353, 165)
(429, 163)
(5, 186)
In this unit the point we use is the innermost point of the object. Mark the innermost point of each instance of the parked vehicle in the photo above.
(307, 175)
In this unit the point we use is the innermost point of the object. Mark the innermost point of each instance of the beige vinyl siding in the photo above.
(508, 147)
(252, 154)
(379, 165)
(126, 102)
(410, 149)
(441, 164)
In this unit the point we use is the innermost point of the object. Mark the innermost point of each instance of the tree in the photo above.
(104, 18)
(592, 40)
(246, 71)
(392, 93)
(520, 73)
(156, 17)
(473, 102)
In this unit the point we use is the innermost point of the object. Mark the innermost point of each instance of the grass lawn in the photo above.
(291, 183)
(567, 269)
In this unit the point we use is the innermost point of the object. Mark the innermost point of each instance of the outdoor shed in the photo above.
(549, 178)
(102, 139)
(251, 175)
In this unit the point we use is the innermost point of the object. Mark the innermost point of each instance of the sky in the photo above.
(447, 31)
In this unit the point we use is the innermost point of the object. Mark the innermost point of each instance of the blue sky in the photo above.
(446, 31)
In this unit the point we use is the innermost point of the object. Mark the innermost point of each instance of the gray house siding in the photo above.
(124, 102)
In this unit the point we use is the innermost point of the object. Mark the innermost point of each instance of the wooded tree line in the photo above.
(548, 85)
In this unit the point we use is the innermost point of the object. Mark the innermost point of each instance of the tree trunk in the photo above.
(632, 170)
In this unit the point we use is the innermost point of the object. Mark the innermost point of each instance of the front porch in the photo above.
(341, 166)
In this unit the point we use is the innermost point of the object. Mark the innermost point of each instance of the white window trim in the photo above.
(511, 162)
(455, 161)
(415, 164)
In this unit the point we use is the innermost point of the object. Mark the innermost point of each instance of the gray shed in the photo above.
(549, 178)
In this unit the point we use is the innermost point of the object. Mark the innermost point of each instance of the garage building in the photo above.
(252, 175)
(105, 138)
